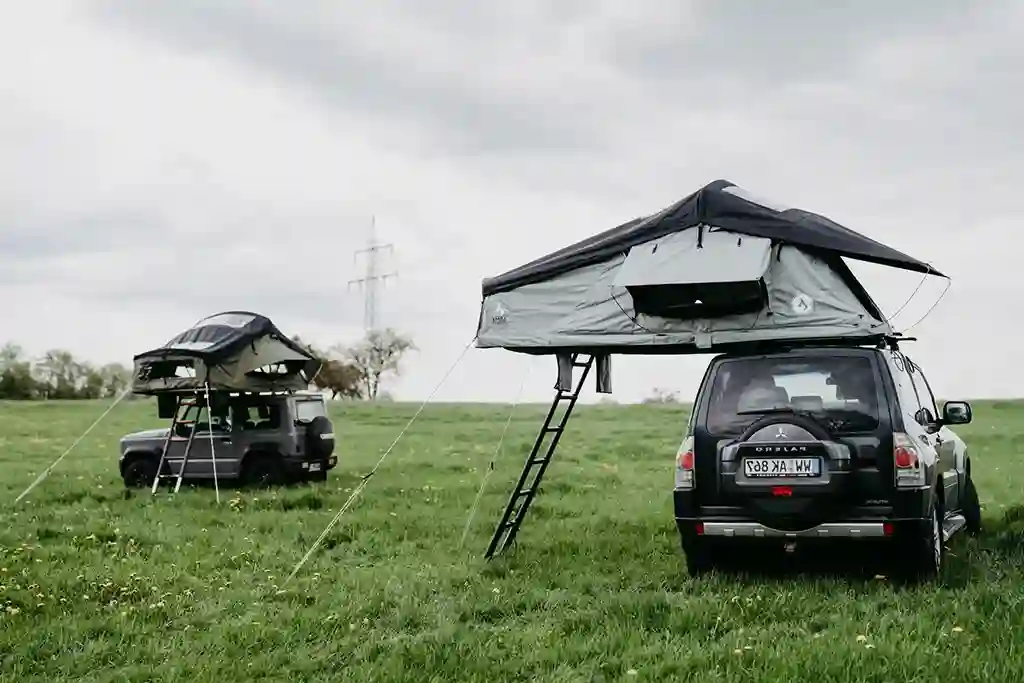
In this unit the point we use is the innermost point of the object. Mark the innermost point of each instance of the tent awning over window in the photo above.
(697, 273)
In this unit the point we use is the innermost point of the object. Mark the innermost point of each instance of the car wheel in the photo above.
(923, 555)
(139, 472)
(699, 556)
(971, 508)
(261, 470)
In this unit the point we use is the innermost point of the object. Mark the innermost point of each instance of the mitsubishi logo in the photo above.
(781, 434)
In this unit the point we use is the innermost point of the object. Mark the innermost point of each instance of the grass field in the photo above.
(95, 586)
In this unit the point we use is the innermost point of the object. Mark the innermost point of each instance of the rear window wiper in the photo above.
(770, 411)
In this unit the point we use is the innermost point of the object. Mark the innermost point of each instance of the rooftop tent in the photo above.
(716, 271)
(232, 351)
(713, 271)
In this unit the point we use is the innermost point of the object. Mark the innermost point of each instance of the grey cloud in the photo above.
(679, 85)
(31, 237)
(762, 46)
(495, 132)
(321, 53)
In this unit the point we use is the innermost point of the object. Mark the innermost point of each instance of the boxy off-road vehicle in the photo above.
(821, 443)
(257, 439)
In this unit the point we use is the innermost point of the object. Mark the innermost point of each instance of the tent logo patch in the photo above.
(802, 304)
(500, 315)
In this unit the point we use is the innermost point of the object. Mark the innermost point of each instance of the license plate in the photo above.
(314, 467)
(782, 467)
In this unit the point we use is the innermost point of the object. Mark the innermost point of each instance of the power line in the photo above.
(374, 280)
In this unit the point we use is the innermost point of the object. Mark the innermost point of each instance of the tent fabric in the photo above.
(720, 204)
(676, 259)
(231, 351)
(806, 297)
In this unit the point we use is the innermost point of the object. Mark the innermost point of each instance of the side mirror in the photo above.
(956, 413)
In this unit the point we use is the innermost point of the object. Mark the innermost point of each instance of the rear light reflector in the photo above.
(685, 462)
(905, 457)
(887, 528)
(699, 528)
(907, 461)
(783, 491)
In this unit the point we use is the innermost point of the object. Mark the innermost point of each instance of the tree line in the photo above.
(356, 371)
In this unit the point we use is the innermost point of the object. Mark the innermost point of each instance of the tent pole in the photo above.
(213, 449)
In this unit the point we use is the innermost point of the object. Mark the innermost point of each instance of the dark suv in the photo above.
(807, 444)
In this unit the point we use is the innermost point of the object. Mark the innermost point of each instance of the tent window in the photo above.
(235, 320)
(167, 369)
(281, 369)
(674, 278)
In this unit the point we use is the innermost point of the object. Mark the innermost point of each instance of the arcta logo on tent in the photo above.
(802, 304)
(500, 315)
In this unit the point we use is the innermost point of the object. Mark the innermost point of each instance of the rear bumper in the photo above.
(864, 529)
(310, 466)
(906, 510)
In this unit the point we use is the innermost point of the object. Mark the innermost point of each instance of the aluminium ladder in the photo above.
(527, 486)
(163, 470)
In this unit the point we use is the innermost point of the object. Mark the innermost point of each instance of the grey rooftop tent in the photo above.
(231, 351)
(715, 271)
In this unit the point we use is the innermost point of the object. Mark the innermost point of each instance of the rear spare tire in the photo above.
(804, 506)
(805, 422)
(319, 438)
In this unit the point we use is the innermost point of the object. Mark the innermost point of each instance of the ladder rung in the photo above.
(552, 430)
(537, 461)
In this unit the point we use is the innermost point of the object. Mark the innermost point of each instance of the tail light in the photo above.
(684, 464)
(909, 473)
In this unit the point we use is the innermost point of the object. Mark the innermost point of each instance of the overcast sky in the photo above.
(161, 161)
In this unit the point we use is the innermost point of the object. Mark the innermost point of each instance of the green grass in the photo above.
(95, 586)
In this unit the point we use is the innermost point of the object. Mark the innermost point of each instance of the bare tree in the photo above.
(60, 374)
(115, 379)
(335, 375)
(378, 355)
(340, 378)
(16, 375)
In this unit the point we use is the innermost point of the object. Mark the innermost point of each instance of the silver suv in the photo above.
(260, 439)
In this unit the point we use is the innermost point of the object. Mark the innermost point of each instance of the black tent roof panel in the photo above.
(720, 204)
(222, 334)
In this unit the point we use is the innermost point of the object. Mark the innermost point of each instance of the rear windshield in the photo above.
(840, 392)
(305, 411)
